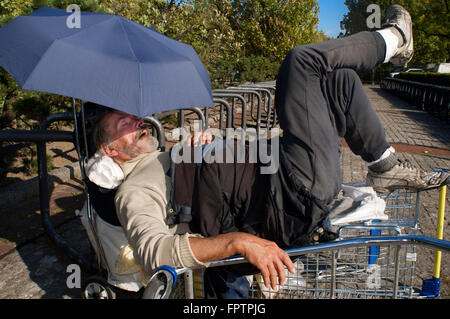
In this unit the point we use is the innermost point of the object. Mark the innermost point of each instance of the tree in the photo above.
(11, 9)
(206, 26)
(431, 30)
(271, 27)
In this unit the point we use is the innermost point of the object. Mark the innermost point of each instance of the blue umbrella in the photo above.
(110, 60)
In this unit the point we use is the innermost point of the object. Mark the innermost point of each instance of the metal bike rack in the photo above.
(251, 93)
(180, 112)
(271, 88)
(268, 101)
(40, 138)
(224, 104)
(234, 96)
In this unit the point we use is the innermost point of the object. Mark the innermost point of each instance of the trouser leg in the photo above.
(311, 141)
(223, 283)
(353, 115)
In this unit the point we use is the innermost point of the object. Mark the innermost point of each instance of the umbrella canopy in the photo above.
(110, 60)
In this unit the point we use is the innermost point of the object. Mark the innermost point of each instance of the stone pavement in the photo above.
(31, 267)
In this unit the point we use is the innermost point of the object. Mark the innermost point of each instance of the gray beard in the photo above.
(152, 146)
(154, 143)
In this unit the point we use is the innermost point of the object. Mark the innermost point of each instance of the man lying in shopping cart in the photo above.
(319, 100)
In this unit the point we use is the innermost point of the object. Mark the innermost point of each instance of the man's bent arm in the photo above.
(264, 254)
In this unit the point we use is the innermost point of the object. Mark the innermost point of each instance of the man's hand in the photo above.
(200, 138)
(268, 258)
(264, 254)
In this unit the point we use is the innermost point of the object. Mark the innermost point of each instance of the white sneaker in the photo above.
(399, 18)
(405, 175)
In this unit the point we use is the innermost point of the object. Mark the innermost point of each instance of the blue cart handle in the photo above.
(171, 271)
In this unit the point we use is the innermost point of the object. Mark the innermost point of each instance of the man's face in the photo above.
(129, 137)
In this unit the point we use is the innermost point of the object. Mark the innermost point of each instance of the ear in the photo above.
(109, 150)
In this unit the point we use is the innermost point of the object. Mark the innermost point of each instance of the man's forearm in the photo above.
(215, 248)
(264, 254)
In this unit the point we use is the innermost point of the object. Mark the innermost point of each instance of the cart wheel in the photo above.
(161, 283)
(156, 290)
(96, 287)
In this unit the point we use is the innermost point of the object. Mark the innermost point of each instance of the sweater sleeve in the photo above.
(142, 215)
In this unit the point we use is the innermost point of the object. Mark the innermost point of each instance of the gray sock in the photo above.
(384, 165)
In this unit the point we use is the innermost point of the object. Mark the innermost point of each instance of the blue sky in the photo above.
(330, 15)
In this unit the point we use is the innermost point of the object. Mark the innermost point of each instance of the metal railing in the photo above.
(433, 99)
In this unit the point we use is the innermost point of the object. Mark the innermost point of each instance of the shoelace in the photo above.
(432, 178)
(407, 164)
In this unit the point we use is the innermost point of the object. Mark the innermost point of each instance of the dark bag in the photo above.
(294, 215)
(219, 197)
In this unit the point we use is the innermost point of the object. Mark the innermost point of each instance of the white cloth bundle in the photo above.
(357, 205)
(103, 171)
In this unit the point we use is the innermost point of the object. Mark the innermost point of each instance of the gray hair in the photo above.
(100, 134)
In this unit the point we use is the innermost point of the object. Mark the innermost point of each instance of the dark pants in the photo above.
(224, 283)
(319, 100)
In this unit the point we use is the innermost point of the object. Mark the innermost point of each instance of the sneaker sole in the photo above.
(388, 190)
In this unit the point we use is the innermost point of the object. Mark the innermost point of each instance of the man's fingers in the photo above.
(266, 277)
(273, 276)
(281, 273)
(288, 262)
(200, 138)
(270, 260)
(208, 138)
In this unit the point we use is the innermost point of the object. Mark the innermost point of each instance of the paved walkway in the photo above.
(31, 267)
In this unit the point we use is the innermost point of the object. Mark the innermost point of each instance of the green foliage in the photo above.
(431, 30)
(320, 36)
(442, 79)
(257, 69)
(206, 26)
(9, 89)
(30, 162)
(9, 9)
(85, 5)
(170, 120)
(271, 28)
(33, 107)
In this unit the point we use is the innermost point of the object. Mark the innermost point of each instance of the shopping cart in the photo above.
(374, 259)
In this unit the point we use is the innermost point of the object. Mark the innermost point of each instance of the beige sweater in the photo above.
(142, 207)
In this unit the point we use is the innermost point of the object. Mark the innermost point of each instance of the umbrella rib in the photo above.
(138, 63)
(39, 62)
(161, 42)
